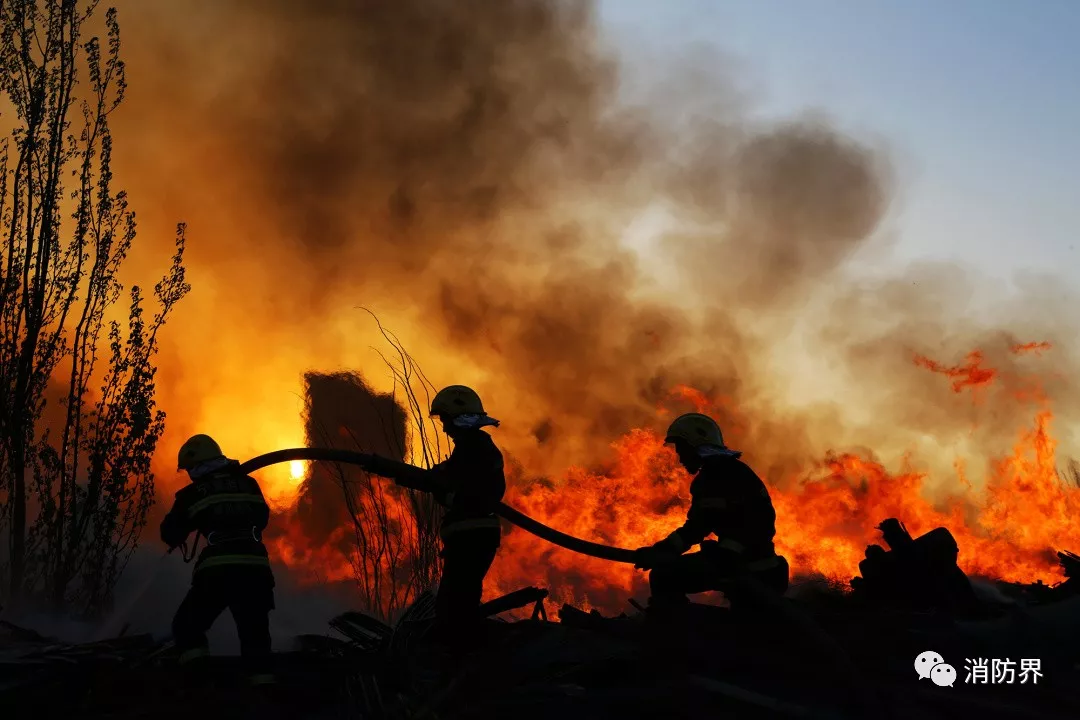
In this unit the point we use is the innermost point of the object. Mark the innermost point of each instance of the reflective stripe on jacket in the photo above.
(211, 502)
(453, 528)
(227, 505)
(248, 560)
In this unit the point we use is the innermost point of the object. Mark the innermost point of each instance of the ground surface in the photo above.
(823, 659)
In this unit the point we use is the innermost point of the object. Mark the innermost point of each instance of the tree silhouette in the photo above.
(76, 437)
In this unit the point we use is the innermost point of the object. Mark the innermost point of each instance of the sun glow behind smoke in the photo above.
(297, 470)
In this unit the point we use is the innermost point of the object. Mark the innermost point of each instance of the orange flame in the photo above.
(1035, 347)
(312, 563)
(970, 375)
(826, 515)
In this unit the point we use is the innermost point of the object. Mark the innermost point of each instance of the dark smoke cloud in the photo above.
(472, 166)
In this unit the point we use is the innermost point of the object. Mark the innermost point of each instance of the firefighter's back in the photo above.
(228, 510)
(747, 516)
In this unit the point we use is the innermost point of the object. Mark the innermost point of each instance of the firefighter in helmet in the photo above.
(233, 571)
(470, 484)
(727, 499)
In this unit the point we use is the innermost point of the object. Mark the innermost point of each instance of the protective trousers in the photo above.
(700, 572)
(248, 593)
(467, 557)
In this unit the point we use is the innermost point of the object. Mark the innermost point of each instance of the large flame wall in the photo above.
(826, 514)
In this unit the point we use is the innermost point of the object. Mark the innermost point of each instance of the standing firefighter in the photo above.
(233, 571)
(469, 484)
(728, 499)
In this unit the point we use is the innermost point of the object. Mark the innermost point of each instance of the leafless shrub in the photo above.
(393, 545)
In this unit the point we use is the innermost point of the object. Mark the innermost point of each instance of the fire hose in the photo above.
(526, 523)
(762, 595)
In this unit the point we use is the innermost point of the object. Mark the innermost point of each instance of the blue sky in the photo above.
(979, 100)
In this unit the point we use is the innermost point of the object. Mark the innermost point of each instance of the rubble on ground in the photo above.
(885, 582)
(833, 654)
(1039, 593)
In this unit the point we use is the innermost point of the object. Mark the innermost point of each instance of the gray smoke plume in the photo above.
(471, 168)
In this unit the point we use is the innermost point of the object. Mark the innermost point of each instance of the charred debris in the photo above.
(834, 652)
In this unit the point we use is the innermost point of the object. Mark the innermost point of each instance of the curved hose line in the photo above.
(526, 523)
(764, 597)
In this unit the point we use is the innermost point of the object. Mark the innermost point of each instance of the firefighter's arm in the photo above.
(176, 525)
(693, 531)
(707, 511)
(262, 514)
(402, 473)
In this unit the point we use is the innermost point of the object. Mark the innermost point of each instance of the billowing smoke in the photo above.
(472, 171)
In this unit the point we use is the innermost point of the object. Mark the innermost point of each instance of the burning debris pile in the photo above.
(886, 574)
(1039, 592)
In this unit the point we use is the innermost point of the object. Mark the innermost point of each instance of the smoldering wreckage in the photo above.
(814, 651)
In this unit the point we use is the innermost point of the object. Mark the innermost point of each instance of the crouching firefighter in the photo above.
(727, 499)
(233, 571)
(470, 484)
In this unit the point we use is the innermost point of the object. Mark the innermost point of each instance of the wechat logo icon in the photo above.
(931, 665)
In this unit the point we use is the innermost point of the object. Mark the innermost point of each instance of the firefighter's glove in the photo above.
(646, 558)
(172, 534)
(401, 473)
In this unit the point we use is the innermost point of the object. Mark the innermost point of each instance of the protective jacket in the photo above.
(470, 483)
(228, 509)
(729, 500)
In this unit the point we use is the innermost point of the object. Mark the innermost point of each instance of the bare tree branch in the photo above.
(75, 485)
(395, 541)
